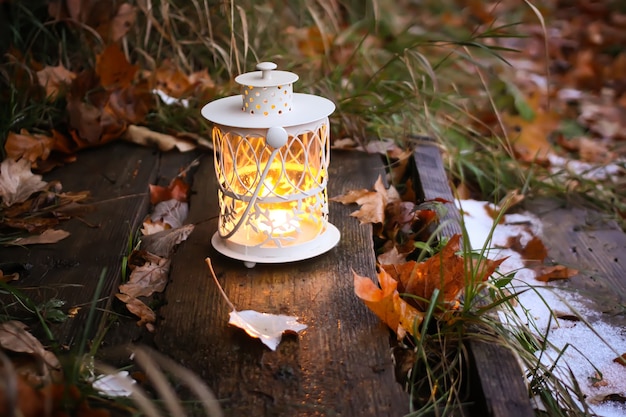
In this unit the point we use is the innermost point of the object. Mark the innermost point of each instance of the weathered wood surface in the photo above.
(340, 365)
(497, 385)
(117, 176)
(594, 245)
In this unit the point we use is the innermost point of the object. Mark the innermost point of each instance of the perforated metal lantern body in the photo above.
(272, 152)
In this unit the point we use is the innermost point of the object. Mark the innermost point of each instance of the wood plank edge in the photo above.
(496, 393)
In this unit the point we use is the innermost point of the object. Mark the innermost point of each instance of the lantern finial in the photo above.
(266, 69)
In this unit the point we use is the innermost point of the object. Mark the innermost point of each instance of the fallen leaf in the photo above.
(150, 228)
(29, 401)
(86, 119)
(269, 328)
(171, 212)
(532, 253)
(171, 80)
(55, 80)
(140, 309)
(386, 303)
(554, 273)
(143, 136)
(28, 146)
(114, 385)
(15, 337)
(48, 236)
(178, 190)
(130, 104)
(530, 137)
(163, 243)
(9, 277)
(391, 256)
(122, 22)
(621, 359)
(114, 69)
(17, 182)
(445, 271)
(372, 203)
(148, 278)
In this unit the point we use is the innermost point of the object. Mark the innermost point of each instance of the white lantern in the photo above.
(272, 149)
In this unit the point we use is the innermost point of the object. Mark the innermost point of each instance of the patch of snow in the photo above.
(586, 170)
(585, 348)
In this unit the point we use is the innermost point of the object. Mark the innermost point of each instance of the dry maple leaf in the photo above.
(148, 278)
(17, 182)
(372, 202)
(445, 271)
(28, 146)
(386, 303)
(114, 69)
(55, 80)
(530, 137)
(146, 316)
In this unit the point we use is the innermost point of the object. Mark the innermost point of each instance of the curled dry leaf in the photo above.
(171, 212)
(48, 236)
(17, 182)
(15, 337)
(143, 136)
(386, 303)
(140, 309)
(148, 278)
(372, 202)
(269, 328)
(164, 242)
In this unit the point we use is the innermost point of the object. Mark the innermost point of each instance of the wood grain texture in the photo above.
(340, 365)
(117, 176)
(431, 181)
(586, 240)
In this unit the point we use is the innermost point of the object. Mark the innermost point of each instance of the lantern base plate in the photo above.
(321, 244)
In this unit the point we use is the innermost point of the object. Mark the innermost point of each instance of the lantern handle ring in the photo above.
(276, 137)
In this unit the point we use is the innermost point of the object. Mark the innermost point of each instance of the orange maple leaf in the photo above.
(386, 303)
(445, 271)
(114, 69)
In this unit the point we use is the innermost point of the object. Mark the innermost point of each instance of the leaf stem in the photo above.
(208, 262)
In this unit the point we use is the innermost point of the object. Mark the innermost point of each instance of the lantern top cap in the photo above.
(266, 76)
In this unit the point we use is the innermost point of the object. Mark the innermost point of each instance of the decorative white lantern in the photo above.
(272, 149)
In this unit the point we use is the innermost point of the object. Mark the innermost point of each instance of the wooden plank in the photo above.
(595, 245)
(500, 391)
(117, 175)
(340, 365)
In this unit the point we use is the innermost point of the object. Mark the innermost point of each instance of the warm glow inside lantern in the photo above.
(272, 151)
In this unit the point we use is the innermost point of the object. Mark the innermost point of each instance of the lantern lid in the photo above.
(267, 100)
(266, 76)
